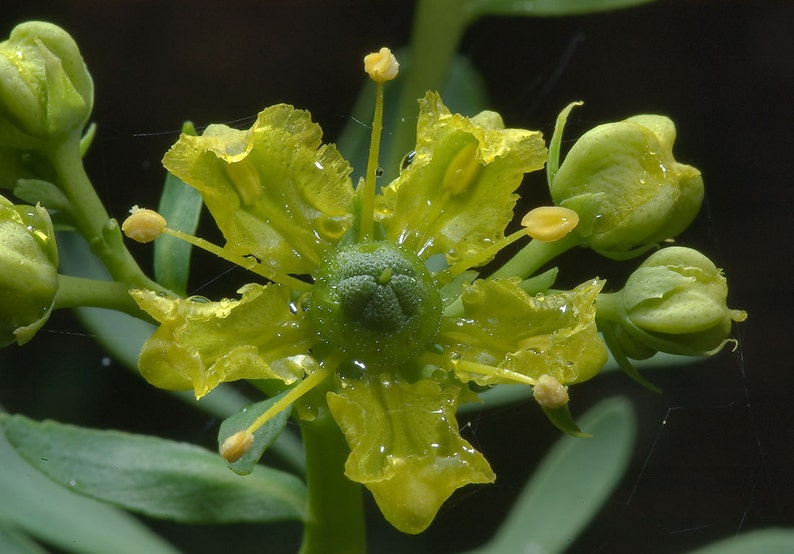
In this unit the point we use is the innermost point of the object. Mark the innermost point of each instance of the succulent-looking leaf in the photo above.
(153, 476)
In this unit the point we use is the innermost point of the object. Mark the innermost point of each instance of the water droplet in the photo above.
(198, 299)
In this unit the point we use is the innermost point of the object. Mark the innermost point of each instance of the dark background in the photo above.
(716, 450)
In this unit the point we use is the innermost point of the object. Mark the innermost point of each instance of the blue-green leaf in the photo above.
(153, 476)
(31, 502)
(263, 437)
(544, 8)
(180, 205)
(571, 484)
(768, 541)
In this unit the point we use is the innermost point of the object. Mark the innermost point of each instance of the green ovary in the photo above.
(376, 302)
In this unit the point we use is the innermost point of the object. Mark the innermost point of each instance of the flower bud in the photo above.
(674, 302)
(28, 271)
(45, 88)
(629, 191)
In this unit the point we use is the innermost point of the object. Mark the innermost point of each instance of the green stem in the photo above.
(336, 508)
(437, 30)
(80, 292)
(91, 219)
(535, 255)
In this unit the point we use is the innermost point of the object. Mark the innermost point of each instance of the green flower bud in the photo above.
(674, 302)
(28, 271)
(629, 191)
(376, 302)
(45, 89)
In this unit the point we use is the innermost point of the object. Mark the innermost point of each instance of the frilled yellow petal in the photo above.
(273, 190)
(457, 195)
(405, 446)
(201, 344)
(506, 335)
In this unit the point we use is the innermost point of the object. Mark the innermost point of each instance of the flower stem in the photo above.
(437, 30)
(91, 219)
(336, 509)
(79, 292)
(535, 255)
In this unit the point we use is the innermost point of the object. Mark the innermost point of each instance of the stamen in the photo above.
(311, 381)
(550, 223)
(381, 67)
(466, 366)
(236, 445)
(479, 257)
(143, 225)
(248, 263)
(550, 393)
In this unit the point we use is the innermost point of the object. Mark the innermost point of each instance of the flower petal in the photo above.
(457, 195)
(201, 344)
(273, 190)
(405, 446)
(507, 330)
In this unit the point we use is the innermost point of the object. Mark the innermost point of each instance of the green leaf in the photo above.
(563, 420)
(263, 437)
(31, 502)
(14, 541)
(544, 8)
(180, 205)
(768, 541)
(36, 191)
(571, 484)
(156, 477)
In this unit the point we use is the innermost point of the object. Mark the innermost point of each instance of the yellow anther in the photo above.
(462, 170)
(550, 393)
(550, 223)
(381, 66)
(143, 225)
(236, 445)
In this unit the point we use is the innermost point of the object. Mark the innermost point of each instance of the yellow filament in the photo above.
(478, 258)
(479, 369)
(368, 193)
(311, 381)
(248, 263)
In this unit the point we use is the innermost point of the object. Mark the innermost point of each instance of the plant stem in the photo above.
(336, 509)
(535, 255)
(437, 30)
(91, 219)
(80, 292)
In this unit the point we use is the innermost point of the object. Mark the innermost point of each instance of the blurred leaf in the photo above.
(766, 541)
(263, 437)
(180, 205)
(34, 191)
(544, 8)
(464, 92)
(563, 420)
(31, 502)
(14, 541)
(570, 485)
(156, 477)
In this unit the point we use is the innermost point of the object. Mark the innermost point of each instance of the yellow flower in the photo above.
(350, 305)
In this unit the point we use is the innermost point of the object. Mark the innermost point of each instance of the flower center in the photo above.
(376, 302)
